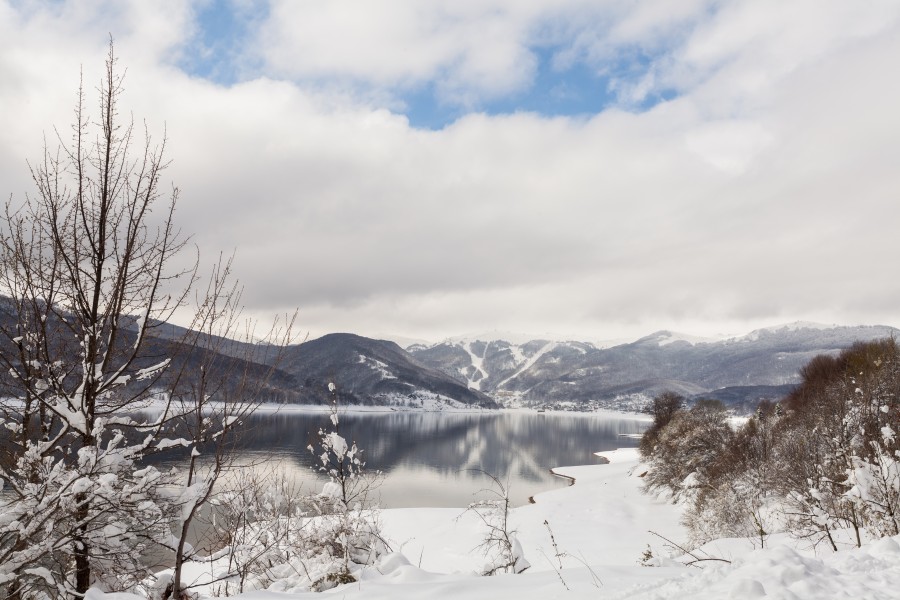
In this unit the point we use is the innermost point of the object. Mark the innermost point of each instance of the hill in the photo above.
(741, 370)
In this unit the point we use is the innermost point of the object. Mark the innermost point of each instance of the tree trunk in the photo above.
(81, 550)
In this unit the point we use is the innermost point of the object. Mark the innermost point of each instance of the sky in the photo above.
(596, 169)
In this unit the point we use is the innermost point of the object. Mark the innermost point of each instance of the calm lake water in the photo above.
(434, 459)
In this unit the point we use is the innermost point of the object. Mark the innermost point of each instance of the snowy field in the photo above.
(601, 527)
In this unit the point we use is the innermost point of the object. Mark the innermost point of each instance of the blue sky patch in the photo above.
(217, 49)
(579, 90)
(218, 52)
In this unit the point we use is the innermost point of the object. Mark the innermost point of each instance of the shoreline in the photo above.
(272, 407)
(359, 408)
(155, 404)
(599, 455)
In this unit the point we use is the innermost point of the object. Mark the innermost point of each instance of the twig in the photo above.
(557, 571)
(696, 558)
(553, 541)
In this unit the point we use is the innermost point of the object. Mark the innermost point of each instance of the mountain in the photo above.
(741, 371)
(365, 371)
(231, 367)
(372, 372)
(468, 371)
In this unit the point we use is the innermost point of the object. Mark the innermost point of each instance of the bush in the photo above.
(827, 456)
(687, 447)
(663, 408)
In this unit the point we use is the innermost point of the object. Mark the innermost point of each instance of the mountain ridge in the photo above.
(466, 372)
(762, 364)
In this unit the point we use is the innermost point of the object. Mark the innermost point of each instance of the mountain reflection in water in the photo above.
(435, 459)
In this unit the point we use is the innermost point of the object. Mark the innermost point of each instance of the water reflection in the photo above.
(434, 459)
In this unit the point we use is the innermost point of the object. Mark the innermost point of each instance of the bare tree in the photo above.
(208, 408)
(86, 276)
(500, 544)
(78, 258)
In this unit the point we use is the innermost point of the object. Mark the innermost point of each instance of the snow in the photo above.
(331, 490)
(872, 571)
(510, 337)
(417, 400)
(520, 339)
(377, 366)
(95, 594)
(430, 402)
(516, 339)
(477, 363)
(600, 527)
(517, 355)
(190, 495)
(530, 363)
(140, 322)
(152, 370)
(168, 443)
(73, 418)
(42, 573)
(337, 444)
(794, 326)
(670, 337)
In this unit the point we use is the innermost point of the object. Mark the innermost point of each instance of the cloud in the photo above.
(468, 53)
(764, 191)
(728, 145)
(466, 50)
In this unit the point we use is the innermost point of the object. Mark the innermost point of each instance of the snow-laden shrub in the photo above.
(732, 508)
(339, 545)
(123, 513)
(735, 498)
(258, 521)
(875, 490)
(345, 536)
(836, 452)
(271, 536)
(686, 449)
(663, 408)
(502, 550)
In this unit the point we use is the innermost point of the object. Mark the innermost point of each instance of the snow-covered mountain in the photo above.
(369, 371)
(485, 368)
(762, 364)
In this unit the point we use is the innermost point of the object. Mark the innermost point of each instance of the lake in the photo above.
(434, 459)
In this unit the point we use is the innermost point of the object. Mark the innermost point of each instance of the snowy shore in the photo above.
(455, 409)
(428, 407)
(601, 527)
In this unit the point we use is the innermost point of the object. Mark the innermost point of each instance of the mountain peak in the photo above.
(510, 337)
(664, 337)
(787, 328)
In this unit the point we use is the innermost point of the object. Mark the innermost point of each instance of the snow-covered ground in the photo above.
(601, 526)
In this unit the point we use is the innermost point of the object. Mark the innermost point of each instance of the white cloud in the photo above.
(733, 61)
(765, 192)
(729, 145)
(465, 49)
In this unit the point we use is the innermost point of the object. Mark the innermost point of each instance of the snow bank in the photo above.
(872, 571)
(600, 529)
